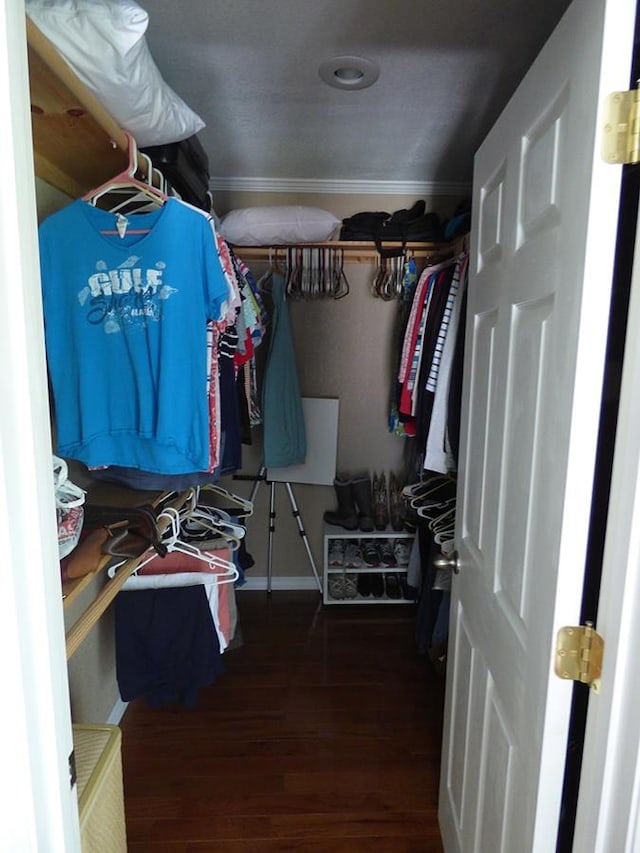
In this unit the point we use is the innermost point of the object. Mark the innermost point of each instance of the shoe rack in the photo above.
(341, 582)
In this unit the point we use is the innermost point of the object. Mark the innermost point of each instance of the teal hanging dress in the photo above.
(284, 433)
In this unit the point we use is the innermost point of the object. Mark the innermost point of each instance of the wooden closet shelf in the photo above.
(355, 252)
(77, 144)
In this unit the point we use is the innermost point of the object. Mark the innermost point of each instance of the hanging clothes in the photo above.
(125, 329)
(284, 431)
(419, 345)
(437, 454)
(166, 644)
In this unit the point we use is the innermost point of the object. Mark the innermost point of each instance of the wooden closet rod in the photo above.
(354, 252)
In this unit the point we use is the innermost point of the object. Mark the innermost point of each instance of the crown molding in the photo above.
(338, 186)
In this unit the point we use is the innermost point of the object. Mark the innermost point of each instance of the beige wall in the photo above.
(340, 204)
(344, 349)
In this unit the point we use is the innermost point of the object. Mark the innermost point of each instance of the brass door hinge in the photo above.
(621, 132)
(579, 651)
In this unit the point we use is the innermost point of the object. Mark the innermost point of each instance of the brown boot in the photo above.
(380, 503)
(397, 507)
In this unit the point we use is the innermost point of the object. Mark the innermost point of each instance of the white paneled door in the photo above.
(542, 247)
(38, 805)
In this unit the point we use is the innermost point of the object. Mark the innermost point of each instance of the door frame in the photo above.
(39, 805)
(608, 812)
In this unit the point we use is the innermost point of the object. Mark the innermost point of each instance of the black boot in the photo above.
(361, 486)
(346, 515)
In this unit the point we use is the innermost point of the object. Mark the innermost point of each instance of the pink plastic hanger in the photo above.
(133, 188)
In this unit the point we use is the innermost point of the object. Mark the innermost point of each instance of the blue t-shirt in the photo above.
(125, 330)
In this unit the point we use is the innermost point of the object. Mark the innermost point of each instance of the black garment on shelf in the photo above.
(166, 644)
(186, 166)
(413, 225)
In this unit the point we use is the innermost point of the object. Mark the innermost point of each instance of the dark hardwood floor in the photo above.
(322, 735)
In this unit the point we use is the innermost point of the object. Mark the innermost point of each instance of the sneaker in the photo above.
(392, 586)
(336, 552)
(364, 585)
(387, 557)
(335, 586)
(376, 585)
(401, 552)
(370, 553)
(353, 556)
(351, 586)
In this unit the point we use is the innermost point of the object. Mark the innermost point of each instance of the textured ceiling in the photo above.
(250, 69)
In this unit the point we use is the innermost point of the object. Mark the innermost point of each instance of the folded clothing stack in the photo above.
(406, 226)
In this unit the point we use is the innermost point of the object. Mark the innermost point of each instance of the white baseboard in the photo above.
(117, 713)
(303, 582)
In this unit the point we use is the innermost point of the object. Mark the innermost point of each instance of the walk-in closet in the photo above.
(319, 441)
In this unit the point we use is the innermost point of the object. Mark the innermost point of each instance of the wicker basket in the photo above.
(100, 791)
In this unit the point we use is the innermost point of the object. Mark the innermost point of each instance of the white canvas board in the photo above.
(321, 427)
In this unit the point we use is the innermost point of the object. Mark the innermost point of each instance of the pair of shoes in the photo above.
(402, 552)
(355, 507)
(370, 585)
(364, 585)
(336, 552)
(352, 556)
(380, 502)
(392, 586)
(387, 557)
(397, 507)
(376, 585)
(371, 553)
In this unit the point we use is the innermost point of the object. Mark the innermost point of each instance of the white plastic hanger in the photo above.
(225, 570)
(126, 183)
(241, 503)
(211, 520)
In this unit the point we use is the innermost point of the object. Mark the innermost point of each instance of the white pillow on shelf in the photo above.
(104, 42)
(278, 224)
